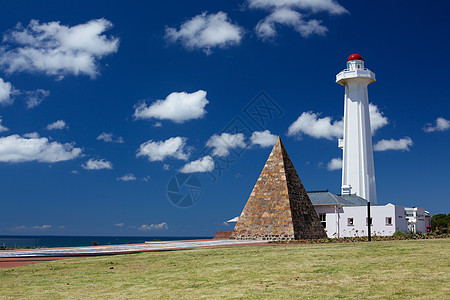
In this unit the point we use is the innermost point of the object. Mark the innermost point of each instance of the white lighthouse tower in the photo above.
(358, 173)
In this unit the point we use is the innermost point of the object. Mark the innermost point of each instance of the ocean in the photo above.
(51, 241)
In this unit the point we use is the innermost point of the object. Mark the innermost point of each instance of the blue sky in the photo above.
(102, 104)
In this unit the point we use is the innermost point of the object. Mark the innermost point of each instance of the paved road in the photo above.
(12, 258)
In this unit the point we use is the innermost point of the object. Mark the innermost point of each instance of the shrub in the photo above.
(442, 231)
(399, 233)
(440, 221)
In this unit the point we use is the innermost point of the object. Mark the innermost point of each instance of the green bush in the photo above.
(399, 233)
(443, 231)
(440, 221)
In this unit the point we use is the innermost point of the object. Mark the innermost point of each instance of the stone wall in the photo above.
(304, 216)
(222, 235)
(278, 207)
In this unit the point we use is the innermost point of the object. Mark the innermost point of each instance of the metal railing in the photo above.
(363, 69)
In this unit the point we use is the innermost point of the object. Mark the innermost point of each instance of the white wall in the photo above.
(332, 219)
(337, 223)
(400, 220)
(417, 221)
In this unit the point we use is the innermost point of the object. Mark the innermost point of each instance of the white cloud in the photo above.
(441, 124)
(267, 28)
(31, 135)
(20, 227)
(119, 224)
(3, 128)
(285, 12)
(6, 89)
(205, 164)
(330, 6)
(109, 138)
(60, 124)
(335, 164)
(97, 164)
(160, 150)
(43, 227)
(223, 143)
(162, 226)
(206, 31)
(127, 177)
(401, 144)
(308, 123)
(37, 227)
(177, 107)
(263, 138)
(15, 148)
(56, 49)
(377, 118)
(34, 98)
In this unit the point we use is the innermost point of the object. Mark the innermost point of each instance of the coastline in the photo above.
(11, 242)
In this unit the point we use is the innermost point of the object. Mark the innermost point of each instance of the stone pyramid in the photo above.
(279, 207)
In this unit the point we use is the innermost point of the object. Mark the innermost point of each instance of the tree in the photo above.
(440, 221)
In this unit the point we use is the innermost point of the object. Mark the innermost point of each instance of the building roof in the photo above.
(355, 56)
(327, 198)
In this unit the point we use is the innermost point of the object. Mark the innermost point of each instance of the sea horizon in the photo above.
(56, 241)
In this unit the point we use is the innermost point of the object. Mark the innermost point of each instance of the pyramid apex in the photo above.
(278, 146)
(278, 141)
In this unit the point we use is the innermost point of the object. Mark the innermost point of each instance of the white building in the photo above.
(358, 173)
(418, 219)
(346, 216)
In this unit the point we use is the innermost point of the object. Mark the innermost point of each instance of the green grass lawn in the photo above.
(390, 269)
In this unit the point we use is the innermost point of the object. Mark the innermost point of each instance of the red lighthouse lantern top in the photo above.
(354, 57)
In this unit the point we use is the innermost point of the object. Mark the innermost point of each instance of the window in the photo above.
(371, 223)
(323, 220)
(350, 222)
(388, 220)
